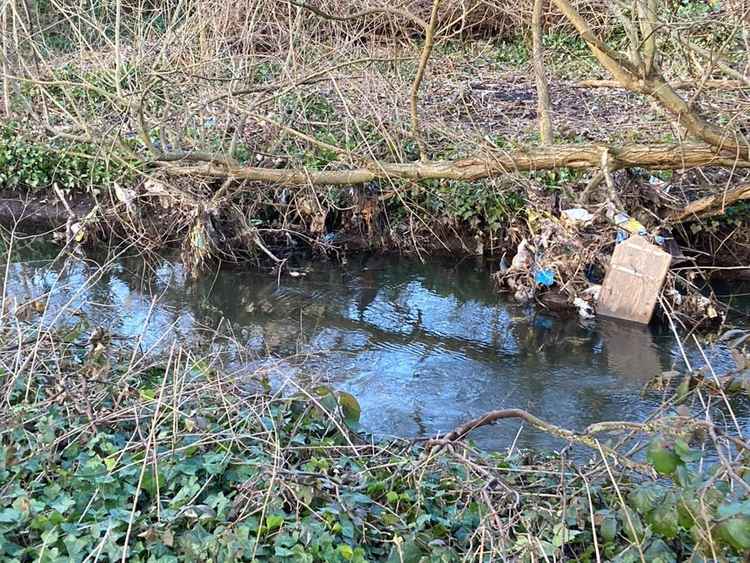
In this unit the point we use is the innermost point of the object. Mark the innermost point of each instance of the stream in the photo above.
(422, 346)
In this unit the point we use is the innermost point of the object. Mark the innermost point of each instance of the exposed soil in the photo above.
(31, 213)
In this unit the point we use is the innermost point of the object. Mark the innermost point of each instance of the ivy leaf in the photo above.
(659, 552)
(62, 504)
(609, 528)
(150, 481)
(736, 533)
(563, 535)
(664, 519)
(735, 508)
(685, 452)
(662, 457)
(350, 407)
(644, 498)
(10, 516)
(405, 552)
(274, 521)
(632, 524)
(346, 552)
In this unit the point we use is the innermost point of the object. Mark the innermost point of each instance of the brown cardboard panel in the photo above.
(633, 280)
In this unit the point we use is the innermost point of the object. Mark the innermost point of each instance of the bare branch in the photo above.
(423, 60)
(542, 89)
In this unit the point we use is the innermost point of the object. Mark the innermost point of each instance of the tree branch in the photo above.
(542, 89)
(655, 86)
(367, 12)
(424, 58)
(562, 433)
(711, 205)
(496, 163)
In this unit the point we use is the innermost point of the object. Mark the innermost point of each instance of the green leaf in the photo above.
(62, 504)
(10, 516)
(659, 552)
(608, 528)
(632, 524)
(327, 399)
(274, 521)
(350, 407)
(687, 509)
(147, 394)
(662, 457)
(685, 452)
(345, 551)
(735, 532)
(149, 483)
(405, 552)
(733, 509)
(645, 497)
(563, 535)
(76, 547)
(664, 519)
(50, 537)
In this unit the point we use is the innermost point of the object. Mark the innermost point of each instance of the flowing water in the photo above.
(423, 347)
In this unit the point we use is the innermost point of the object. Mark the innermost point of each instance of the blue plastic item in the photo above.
(545, 277)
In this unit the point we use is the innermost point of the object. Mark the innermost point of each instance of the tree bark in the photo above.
(711, 205)
(677, 85)
(491, 164)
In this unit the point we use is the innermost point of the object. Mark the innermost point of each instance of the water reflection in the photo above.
(422, 346)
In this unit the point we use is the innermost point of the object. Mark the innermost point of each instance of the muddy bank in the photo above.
(36, 214)
(722, 248)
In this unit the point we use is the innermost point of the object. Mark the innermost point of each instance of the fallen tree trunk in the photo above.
(492, 164)
(676, 85)
(711, 205)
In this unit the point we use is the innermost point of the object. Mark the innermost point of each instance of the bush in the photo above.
(32, 166)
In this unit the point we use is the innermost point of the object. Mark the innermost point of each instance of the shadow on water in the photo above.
(423, 347)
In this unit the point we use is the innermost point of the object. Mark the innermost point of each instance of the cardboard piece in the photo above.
(633, 280)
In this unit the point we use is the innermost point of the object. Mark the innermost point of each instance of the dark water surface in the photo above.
(423, 347)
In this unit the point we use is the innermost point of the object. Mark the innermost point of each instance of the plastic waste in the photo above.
(593, 291)
(584, 308)
(627, 223)
(577, 215)
(522, 259)
(545, 277)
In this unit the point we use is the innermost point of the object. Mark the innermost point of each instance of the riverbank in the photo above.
(109, 451)
(153, 217)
